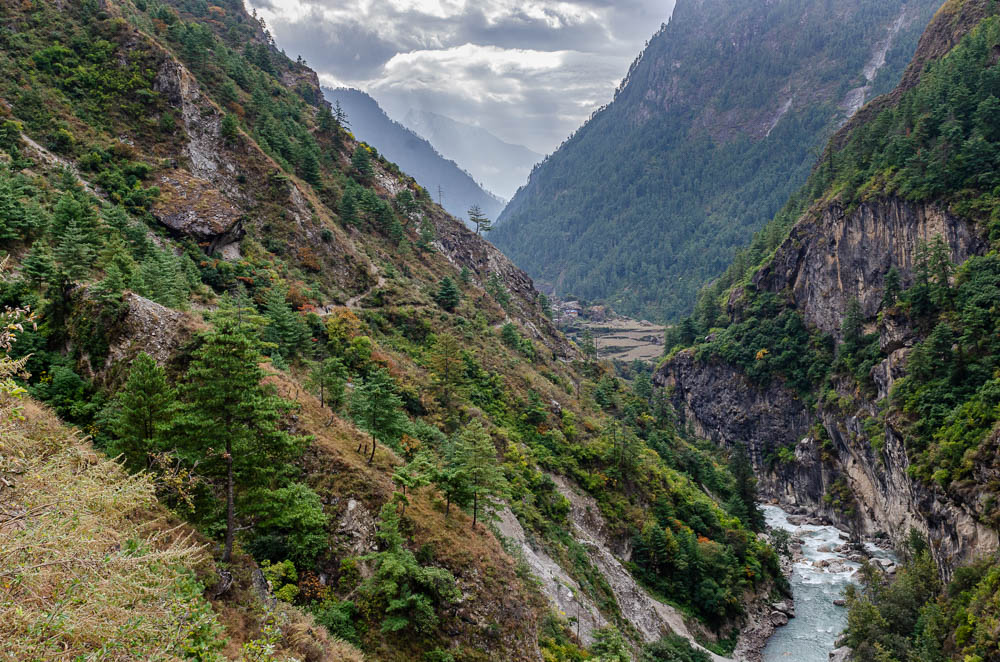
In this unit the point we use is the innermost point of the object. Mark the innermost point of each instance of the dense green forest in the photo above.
(314, 356)
(650, 199)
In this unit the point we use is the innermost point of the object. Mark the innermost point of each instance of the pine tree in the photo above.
(478, 456)
(309, 166)
(74, 254)
(329, 377)
(11, 210)
(480, 220)
(588, 347)
(225, 403)
(340, 115)
(941, 268)
(142, 410)
(285, 328)
(230, 128)
(377, 409)
(408, 590)
(349, 208)
(893, 287)
(447, 369)
(362, 162)
(746, 488)
(38, 266)
(427, 235)
(852, 327)
(447, 295)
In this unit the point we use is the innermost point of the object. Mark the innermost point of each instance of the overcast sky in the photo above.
(529, 71)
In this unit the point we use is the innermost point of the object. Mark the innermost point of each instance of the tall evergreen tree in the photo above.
(285, 328)
(362, 162)
(893, 288)
(447, 369)
(74, 254)
(448, 295)
(230, 420)
(143, 410)
(480, 220)
(746, 489)
(377, 409)
(329, 377)
(478, 456)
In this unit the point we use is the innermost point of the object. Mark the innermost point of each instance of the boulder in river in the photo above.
(779, 618)
(842, 654)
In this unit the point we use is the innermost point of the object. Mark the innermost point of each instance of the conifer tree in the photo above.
(230, 420)
(329, 377)
(142, 410)
(340, 115)
(480, 220)
(11, 210)
(377, 409)
(362, 162)
(852, 326)
(427, 235)
(478, 456)
(285, 328)
(893, 287)
(348, 208)
(746, 489)
(74, 254)
(38, 266)
(447, 295)
(447, 369)
(407, 591)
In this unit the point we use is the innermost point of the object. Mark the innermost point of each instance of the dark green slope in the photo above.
(716, 124)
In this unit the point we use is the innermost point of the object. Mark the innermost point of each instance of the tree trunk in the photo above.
(230, 505)
(322, 393)
(475, 508)
(447, 507)
(372, 456)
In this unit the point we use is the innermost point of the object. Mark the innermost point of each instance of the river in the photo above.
(810, 636)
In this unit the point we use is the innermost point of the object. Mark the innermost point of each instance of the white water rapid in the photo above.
(810, 636)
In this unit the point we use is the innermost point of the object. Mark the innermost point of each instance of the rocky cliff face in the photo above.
(832, 256)
(835, 255)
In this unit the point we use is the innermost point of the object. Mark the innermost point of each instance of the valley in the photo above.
(265, 396)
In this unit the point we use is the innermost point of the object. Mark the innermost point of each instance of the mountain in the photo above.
(852, 348)
(715, 125)
(262, 398)
(502, 166)
(414, 154)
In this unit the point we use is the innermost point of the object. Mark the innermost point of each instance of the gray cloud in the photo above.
(529, 71)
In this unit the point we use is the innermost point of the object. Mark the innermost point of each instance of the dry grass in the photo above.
(86, 569)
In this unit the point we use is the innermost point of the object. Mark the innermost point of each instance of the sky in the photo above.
(529, 71)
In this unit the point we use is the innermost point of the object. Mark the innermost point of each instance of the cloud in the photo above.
(529, 71)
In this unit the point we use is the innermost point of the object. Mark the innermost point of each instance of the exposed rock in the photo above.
(832, 256)
(562, 590)
(650, 617)
(779, 618)
(842, 654)
(191, 206)
(840, 602)
(356, 529)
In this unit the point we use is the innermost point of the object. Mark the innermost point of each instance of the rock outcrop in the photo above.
(834, 255)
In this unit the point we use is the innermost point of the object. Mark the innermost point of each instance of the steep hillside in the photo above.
(857, 356)
(414, 154)
(502, 166)
(336, 384)
(713, 128)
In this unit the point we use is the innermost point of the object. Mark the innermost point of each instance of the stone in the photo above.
(779, 618)
(842, 654)
(840, 602)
